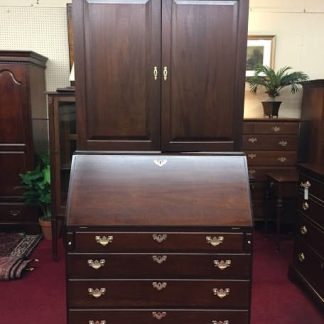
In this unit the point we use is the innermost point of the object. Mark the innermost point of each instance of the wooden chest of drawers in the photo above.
(159, 238)
(307, 267)
(270, 145)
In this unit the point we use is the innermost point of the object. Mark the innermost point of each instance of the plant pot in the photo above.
(271, 108)
(46, 226)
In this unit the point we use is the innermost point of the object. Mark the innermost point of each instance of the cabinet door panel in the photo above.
(118, 98)
(11, 164)
(12, 105)
(203, 90)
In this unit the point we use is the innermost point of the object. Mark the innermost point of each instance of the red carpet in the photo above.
(40, 296)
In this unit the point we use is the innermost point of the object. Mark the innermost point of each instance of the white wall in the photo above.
(299, 29)
(40, 26)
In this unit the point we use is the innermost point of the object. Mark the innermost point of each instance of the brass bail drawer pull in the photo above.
(283, 143)
(96, 293)
(303, 230)
(301, 257)
(276, 129)
(159, 315)
(160, 237)
(104, 240)
(221, 293)
(305, 205)
(221, 264)
(215, 240)
(159, 285)
(252, 156)
(221, 322)
(14, 212)
(97, 322)
(96, 264)
(252, 140)
(159, 258)
(282, 159)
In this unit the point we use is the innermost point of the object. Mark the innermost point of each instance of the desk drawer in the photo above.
(270, 127)
(271, 158)
(311, 235)
(154, 316)
(143, 266)
(109, 242)
(310, 265)
(311, 209)
(272, 142)
(158, 293)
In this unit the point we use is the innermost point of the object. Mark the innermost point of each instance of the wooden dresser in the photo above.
(307, 267)
(270, 145)
(159, 238)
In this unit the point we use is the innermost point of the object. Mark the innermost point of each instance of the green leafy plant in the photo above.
(273, 81)
(37, 187)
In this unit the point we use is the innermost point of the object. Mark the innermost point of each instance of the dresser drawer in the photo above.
(310, 265)
(270, 142)
(158, 293)
(312, 209)
(316, 188)
(271, 158)
(107, 242)
(311, 235)
(271, 127)
(154, 316)
(18, 212)
(258, 173)
(159, 266)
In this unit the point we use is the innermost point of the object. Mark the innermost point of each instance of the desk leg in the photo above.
(266, 206)
(279, 208)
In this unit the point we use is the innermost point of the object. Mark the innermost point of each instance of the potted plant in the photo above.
(37, 192)
(273, 82)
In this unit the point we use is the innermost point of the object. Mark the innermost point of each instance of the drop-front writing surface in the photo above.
(159, 238)
(159, 190)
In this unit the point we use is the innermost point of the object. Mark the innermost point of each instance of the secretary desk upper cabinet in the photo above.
(160, 75)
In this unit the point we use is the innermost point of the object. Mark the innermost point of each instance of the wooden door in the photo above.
(118, 46)
(203, 59)
(15, 135)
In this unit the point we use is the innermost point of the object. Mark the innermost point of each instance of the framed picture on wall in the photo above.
(260, 51)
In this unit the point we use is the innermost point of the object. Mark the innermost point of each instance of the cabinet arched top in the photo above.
(11, 75)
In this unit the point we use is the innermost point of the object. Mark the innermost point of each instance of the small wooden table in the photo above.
(281, 185)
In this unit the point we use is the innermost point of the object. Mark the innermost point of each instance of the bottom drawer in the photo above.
(310, 265)
(154, 316)
(18, 212)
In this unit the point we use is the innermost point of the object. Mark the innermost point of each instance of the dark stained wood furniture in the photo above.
(160, 75)
(312, 117)
(23, 131)
(159, 238)
(271, 145)
(307, 268)
(282, 186)
(62, 125)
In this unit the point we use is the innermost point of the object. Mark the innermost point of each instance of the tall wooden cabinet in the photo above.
(160, 75)
(22, 125)
(313, 121)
